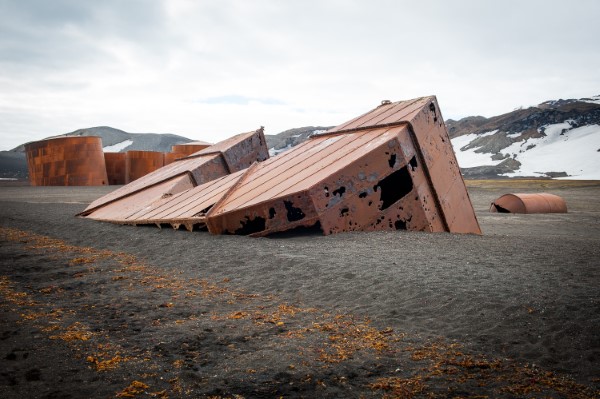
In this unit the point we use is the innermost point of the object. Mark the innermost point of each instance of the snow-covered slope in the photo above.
(558, 139)
(574, 151)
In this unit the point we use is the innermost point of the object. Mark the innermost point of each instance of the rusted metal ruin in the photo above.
(115, 167)
(140, 163)
(529, 203)
(392, 168)
(66, 161)
(183, 150)
(214, 162)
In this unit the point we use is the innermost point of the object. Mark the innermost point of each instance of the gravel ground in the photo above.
(93, 309)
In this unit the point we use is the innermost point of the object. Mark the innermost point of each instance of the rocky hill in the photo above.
(13, 164)
(559, 138)
(115, 140)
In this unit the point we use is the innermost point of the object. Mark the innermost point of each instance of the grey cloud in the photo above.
(44, 34)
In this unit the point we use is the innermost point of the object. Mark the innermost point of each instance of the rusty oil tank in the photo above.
(140, 163)
(183, 150)
(115, 167)
(529, 203)
(66, 161)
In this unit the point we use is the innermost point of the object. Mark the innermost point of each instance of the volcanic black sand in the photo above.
(91, 309)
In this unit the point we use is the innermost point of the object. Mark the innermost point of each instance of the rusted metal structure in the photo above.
(174, 202)
(226, 157)
(529, 203)
(140, 163)
(391, 168)
(66, 161)
(183, 150)
(115, 167)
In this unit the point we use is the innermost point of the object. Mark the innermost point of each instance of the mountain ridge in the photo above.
(555, 139)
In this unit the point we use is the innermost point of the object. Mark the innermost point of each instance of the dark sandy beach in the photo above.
(91, 309)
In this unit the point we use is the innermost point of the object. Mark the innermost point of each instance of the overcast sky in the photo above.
(211, 69)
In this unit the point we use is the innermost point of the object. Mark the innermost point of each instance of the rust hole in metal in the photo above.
(326, 189)
(340, 191)
(272, 213)
(204, 211)
(362, 194)
(251, 226)
(432, 109)
(394, 187)
(344, 211)
(314, 229)
(400, 225)
(413, 163)
(293, 214)
(392, 160)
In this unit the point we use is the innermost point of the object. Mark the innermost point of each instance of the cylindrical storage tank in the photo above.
(115, 167)
(183, 150)
(529, 203)
(140, 163)
(66, 161)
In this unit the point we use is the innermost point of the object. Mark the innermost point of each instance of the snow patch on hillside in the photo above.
(118, 147)
(593, 99)
(563, 149)
(470, 158)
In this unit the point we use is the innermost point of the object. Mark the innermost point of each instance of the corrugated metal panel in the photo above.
(529, 203)
(228, 156)
(391, 168)
(119, 211)
(186, 208)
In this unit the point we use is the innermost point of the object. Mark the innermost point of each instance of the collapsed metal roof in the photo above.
(529, 203)
(391, 168)
(231, 155)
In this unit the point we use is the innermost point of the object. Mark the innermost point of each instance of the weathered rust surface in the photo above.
(115, 167)
(140, 163)
(66, 161)
(228, 156)
(391, 168)
(183, 150)
(166, 203)
(529, 203)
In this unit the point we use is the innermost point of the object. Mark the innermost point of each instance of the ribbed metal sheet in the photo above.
(231, 155)
(186, 208)
(119, 211)
(391, 168)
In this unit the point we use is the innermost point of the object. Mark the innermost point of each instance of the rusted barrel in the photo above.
(183, 150)
(66, 161)
(115, 167)
(140, 163)
(529, 203)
